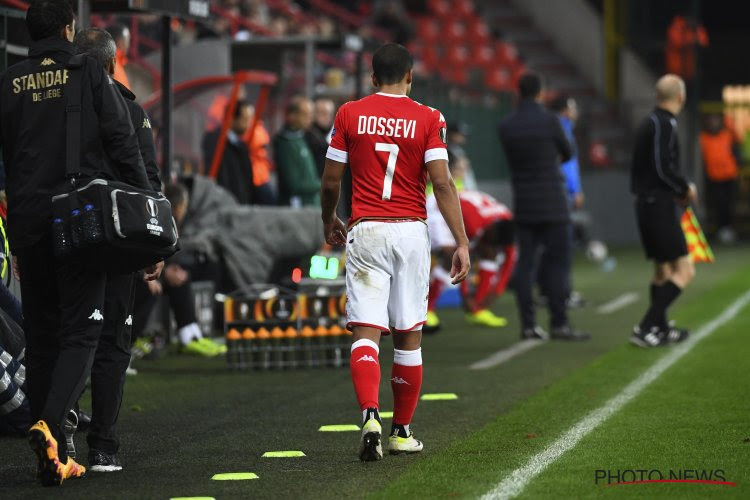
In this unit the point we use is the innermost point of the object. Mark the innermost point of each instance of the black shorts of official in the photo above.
(659, 225)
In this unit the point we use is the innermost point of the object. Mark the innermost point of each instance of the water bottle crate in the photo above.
(268, 327)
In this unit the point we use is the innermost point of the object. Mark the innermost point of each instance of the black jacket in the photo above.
(143, 131)
(235, 171)
(316, 141)
(656, 158)
(535, 144)
(33, 135)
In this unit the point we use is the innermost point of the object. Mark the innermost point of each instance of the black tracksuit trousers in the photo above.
(63, 306)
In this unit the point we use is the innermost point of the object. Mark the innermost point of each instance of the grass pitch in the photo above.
(185, 419)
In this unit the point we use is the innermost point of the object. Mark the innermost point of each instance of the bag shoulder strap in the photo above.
(73, 105)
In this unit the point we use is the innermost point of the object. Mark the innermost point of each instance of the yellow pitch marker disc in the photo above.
(447, 396)
(283, 454)
(339, 428)
(235, 476)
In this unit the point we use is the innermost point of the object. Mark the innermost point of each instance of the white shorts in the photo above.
(387, 275)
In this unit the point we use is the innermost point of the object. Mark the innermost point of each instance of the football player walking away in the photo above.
(389, 143)
(662, 194)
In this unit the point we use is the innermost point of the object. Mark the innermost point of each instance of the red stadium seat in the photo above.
(454, 31)
(498, 79)
(505, 53)
(477, 32)
(462, 8)
(440, 8)
(482, 56)
(456, 55)
(428, 29)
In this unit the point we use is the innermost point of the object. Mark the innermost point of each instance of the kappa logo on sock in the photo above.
(96, 315)
(367, 357)
(399, 380)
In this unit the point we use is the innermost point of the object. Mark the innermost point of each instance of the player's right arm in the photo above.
(337, 157)
(446, 196)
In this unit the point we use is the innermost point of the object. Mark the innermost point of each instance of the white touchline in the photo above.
(618, 303)
(511, 352)
(514, 484)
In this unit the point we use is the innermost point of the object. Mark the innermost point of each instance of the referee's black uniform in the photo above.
(658, 183)
(63, 303)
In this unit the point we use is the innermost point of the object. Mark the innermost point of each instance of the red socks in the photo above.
(487, 272)
(406, 382)
(406, 379)
(436, 288)
(365, 369)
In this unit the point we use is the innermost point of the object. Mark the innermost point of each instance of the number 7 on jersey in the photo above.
(390, 168)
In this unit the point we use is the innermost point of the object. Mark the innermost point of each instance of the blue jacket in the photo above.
(570, 168)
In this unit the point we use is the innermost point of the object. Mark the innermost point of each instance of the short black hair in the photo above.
(559, 103)
(47, 18)
(97, 43)
(176, 193)
(241, 103)
(390, 63)
(530, 85)
(295, 104)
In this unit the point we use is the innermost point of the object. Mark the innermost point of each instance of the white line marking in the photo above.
(511, 352)
(514, 484)
(618, 303)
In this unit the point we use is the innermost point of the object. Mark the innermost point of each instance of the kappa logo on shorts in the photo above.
(96, 315)
(399, 380)
(367, 357)
(129, 320)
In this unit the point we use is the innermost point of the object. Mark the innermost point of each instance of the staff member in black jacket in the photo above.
(534, 144)
(113, 352)
(62, 301)
(662, 193)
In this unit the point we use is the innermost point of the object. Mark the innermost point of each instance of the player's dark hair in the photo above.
(530, 85)
(176, 193)
(559, 103)
(390, 63)
(97, 43)
(47, 18)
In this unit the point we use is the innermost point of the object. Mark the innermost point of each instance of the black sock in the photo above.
(371, 413)
(661, 297)
(400, 430)
(669, 293)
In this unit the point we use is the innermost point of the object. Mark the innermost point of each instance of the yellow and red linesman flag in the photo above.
(696, 241)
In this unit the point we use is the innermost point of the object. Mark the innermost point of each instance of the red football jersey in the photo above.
(386, 140)
(479, 211)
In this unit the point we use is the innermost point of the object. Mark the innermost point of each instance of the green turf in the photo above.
(186, 419)
(488, 456)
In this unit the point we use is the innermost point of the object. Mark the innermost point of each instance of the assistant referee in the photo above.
(662, 194)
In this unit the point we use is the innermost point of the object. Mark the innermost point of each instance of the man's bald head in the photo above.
(670, 88)
(670, 93)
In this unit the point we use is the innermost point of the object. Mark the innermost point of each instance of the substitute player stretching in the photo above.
(389, 142)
